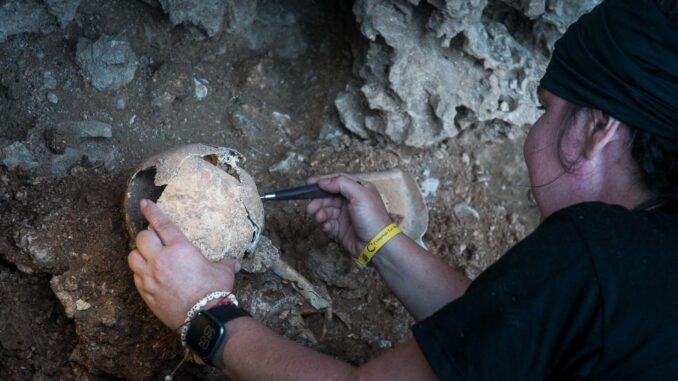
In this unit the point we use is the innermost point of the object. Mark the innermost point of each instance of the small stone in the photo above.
(206, 14)
(52, 98)
(503, 106)
(465, 213)
(17, 155)
(201, 89)
(285, 165)
(55, 141)
(429, 186)
(120, 104)
(63, 10)
(48, 80)
(82, 305)
(95, 129)
(109, 63)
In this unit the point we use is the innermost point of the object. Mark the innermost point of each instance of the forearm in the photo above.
(421, 281)
(253, 352)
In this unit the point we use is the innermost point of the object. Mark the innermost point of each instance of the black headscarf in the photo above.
(621, 58)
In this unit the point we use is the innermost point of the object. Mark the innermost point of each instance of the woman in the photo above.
(589, 295)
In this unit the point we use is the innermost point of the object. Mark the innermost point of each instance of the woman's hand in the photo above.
(170, 273)
(352, 219)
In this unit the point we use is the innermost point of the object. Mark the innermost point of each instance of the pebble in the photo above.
(465, 213)
(52, 98)
(201, 89)
(82, 305)
(95, 129)
(17, 155)
(48, 80)
(121, 104)
(55, 141)
(430, 185)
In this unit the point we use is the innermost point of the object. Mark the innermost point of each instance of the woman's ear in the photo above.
(602, 129)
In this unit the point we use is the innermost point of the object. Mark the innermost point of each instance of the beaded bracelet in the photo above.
(202, 303)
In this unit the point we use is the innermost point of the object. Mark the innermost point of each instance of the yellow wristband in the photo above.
(376, 243)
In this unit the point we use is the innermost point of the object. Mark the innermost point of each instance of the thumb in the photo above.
(166, 229)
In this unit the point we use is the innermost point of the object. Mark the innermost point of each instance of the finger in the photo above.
(137, 263)
(148, 243)
(168, 231)
(329, 213)
(331, 227)
(320, 216)
(318, 203)
(347, 186)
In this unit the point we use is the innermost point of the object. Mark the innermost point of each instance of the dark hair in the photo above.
(657, 159)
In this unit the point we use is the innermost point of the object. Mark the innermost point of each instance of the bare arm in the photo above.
(252, 352)
(421, 281)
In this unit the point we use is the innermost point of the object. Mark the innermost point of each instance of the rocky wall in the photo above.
(431, 69)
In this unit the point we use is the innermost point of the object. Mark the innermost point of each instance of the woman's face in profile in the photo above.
(549, 145)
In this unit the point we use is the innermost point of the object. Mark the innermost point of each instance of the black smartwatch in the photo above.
(206, 331)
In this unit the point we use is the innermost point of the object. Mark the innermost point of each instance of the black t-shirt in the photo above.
(592, 294)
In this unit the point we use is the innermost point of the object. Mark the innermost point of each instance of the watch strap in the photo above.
(221, 315)
(227, 312)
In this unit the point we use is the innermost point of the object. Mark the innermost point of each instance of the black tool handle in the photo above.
(303, 192)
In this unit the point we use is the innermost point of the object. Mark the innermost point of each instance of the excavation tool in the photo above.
(397, 188)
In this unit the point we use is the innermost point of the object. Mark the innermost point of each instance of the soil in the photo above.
(64, 235)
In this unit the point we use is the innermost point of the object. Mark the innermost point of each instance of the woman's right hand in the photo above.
(352, 219)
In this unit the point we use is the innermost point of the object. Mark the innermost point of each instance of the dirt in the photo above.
(70, 308)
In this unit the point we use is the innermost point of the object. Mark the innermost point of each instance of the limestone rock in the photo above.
(108, 63)
(17, 155)
(27, 16)
(207, 14)
(432, 70)
(63, 10)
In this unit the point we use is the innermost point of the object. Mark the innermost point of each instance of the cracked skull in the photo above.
(206, 193)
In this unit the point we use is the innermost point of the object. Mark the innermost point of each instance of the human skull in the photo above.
(206, 193)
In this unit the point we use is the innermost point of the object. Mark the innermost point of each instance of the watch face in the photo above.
(204, 335)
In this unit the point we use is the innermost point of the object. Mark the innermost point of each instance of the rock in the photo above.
(465, 213)
(23, 16)
(40, 251)
(17, 155)
(55, 141)
(269, 27)
(94, 129)
(120, 104)
(200, 88)
(292, 160)
(108, 64)
(63, 10)
(431, 70)
(48, 80)
(206, 14)
(52, 98)
(65, 297)
(81, 305)
(170, 82)
(91, 153)
(351, 110)
(429, 186)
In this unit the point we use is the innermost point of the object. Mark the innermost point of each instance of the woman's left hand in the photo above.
(170, 273)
